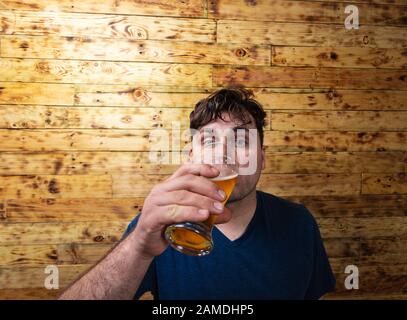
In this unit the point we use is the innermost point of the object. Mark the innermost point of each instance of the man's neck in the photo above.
(242, 212)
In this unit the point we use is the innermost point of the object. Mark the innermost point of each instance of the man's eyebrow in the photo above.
(240, 127)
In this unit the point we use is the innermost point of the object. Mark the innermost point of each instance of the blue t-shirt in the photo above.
(279, 256)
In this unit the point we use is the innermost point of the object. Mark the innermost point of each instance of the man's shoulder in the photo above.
(276, 200)
(285, 209)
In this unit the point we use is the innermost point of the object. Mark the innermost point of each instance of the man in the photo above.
(265, 247)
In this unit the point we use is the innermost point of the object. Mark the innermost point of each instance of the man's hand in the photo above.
(188, 195)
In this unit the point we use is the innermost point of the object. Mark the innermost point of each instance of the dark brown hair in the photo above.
(237, 102)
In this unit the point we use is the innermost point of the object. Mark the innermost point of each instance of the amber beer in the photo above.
(227, 184)
(196, 238)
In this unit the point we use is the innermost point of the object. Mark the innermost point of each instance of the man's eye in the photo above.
(208, 142)
(240, 142)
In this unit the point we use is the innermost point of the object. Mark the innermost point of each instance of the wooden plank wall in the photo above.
(83, 82)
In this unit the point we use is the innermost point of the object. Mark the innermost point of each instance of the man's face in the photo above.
(246, 183)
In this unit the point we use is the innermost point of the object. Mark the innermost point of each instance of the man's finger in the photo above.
(224, 217)
(196, 184)
(175, 214)
(205, 170)
(187, 198)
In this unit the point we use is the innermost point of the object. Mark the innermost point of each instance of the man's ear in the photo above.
(263, 157)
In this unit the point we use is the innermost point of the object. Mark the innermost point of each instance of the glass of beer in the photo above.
(195, 238)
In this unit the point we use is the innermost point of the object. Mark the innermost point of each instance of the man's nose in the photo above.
(225, 145)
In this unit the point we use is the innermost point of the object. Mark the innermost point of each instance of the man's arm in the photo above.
(186, 196)
(117, 276)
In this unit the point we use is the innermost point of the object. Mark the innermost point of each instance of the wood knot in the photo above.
(365, 39)
(240, 52)
(251, 3)
(98, 238)
(140, 94)
(24, 45)
(330, 94)
(126, 119)
(401, 176)
(43, 67)
(53, 186)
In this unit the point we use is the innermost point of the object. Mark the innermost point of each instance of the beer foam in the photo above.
(223, 178)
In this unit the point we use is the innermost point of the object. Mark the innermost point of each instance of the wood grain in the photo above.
(49, 186)
(382, 183)
(309, 78)
(308, 34)
(368, 228)
(87, 163)
(30, 255)
(7, 21)
(186, 97)
(335, 141)
(36, 93)
(72, 210)
(114, 26)
(384, 279)
(331, 99)
(42, 117)
(388, 2)
(82, 253)
(354, 206)
(2, 209)
(191, 8)
(132, 50)
(340, 57)
(335, 162)
(29, 294)
(104, 72)
(61, 232)
(340, 120)
(366, 296)
(304, 11)
(33, 277)
(138, 96)
(375, 247)
(92, 139)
